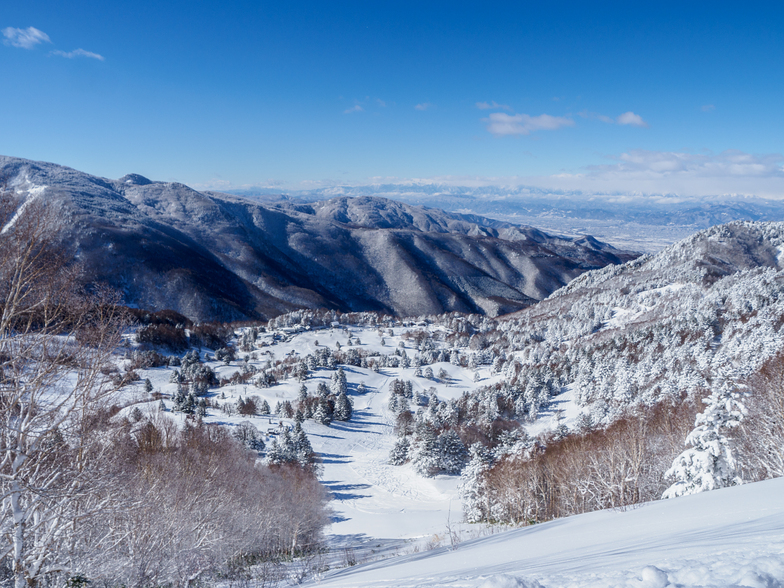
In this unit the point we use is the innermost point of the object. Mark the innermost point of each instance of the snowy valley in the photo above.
(608, 372)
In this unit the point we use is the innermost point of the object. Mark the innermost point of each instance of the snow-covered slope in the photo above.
(725, 538)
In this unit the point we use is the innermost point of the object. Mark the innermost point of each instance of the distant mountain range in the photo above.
(214, 256)
(641, 223)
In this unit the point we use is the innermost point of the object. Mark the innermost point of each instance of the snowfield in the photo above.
(729, 537)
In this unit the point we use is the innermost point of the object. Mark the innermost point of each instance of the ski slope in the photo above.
(374, 504)
(729, 537)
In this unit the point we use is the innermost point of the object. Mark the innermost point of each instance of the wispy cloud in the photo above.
(499, 123)
(707, 107)
(423, 106)
(631, 119)
(381, 103)
(627, 118)
(355, 108)
(78, 53)
(596, 116)
(24, 38)
(492, 106)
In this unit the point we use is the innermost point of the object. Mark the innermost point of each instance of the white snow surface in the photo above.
(725, 538)
(730, 537)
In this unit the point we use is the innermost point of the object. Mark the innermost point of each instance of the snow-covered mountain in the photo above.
(635, 221)
(216, 256)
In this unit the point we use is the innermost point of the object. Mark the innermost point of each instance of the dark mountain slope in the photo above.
(216, 256)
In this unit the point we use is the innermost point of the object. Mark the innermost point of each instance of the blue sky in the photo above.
(679, 97)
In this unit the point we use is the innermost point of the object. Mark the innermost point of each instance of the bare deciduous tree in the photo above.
(54, 347)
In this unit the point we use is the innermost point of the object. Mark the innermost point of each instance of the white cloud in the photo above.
(631, 119)
(78, 53)
(597, 116)
(381, 103)
(492, 106)
(499, 123)
(355, 108)
(24, 38)
(678, 172)
(423, 106)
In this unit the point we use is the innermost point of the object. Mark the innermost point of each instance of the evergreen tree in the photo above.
(399, 453)
(303, 450)
(323, 414)
(424, 453)
(473, 485)
(275, 454)
(709, 463)
(183, 400)
(339, 383)
(343, 408)
(452, 452)
(264, 408)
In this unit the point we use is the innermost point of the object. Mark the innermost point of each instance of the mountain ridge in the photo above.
(218, 256)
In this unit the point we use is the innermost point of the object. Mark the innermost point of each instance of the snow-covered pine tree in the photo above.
(473, 484)
(343, 409)
(399, 453)
(339, 383)
(275, 453)
(264, 407)
(303, 450)
(323, 414)
(709, 463)
(424, 452)
(452, 452)
(321, 390)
